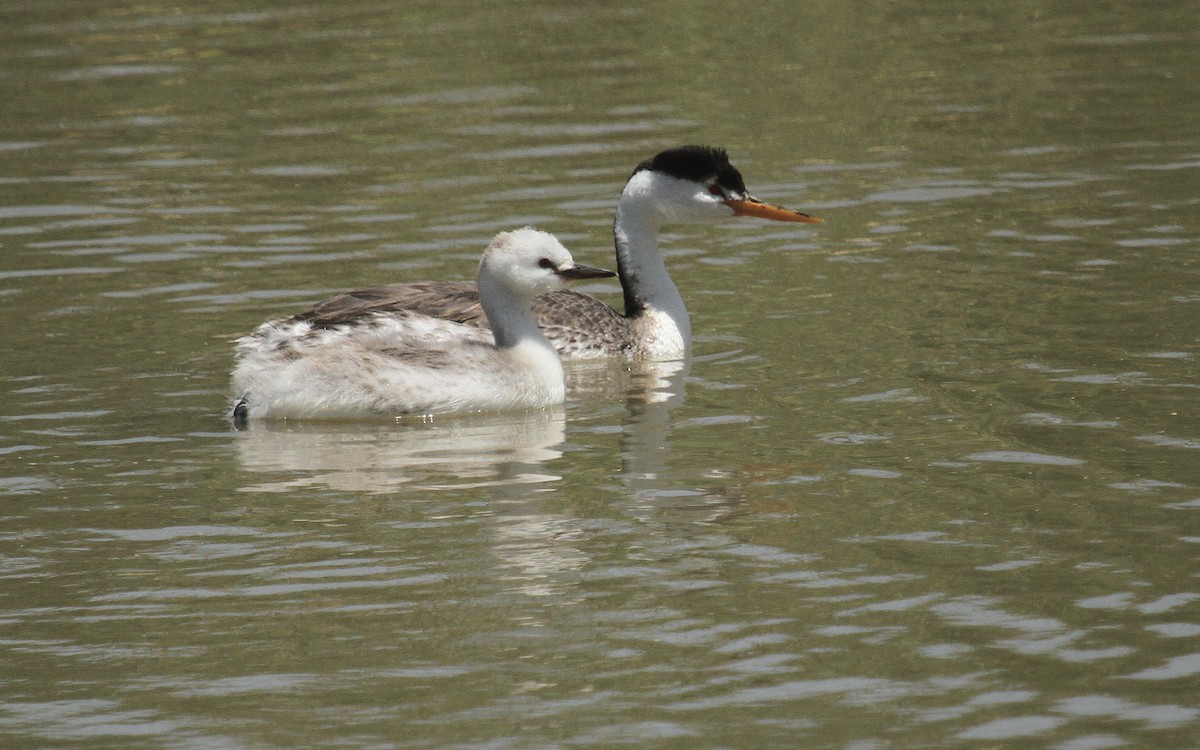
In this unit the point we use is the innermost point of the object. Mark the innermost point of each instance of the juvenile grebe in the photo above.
(402, 362)
(689, 184)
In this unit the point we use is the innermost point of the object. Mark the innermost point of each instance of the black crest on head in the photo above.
(703, 164)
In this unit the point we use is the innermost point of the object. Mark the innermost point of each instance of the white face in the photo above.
(525, 261)
(676, 200)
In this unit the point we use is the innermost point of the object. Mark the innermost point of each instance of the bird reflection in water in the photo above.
(535, 532)
(455, 452)
(458, 451)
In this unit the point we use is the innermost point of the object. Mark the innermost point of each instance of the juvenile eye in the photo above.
(545, 263)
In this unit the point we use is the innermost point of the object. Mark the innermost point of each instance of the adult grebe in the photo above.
(402, 362)
(689, 184)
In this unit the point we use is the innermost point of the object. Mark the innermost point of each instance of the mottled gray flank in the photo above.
(579, 326)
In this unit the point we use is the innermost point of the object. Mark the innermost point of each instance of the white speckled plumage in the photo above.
(689, 184)
(403, 362)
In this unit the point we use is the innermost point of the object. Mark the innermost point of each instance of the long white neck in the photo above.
(644, 278)
(515, 330)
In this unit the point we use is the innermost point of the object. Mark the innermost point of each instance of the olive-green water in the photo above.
(932, 478)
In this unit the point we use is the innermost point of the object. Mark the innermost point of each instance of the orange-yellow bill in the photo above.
(767, 211)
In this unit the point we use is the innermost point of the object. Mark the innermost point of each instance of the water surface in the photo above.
(930, 480)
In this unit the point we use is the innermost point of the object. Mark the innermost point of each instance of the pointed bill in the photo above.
(755, 207)
(580, 271)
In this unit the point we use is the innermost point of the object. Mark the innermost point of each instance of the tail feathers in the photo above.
(241, 412)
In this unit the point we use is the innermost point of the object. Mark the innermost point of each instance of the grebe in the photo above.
(402, 362)
(689, 184)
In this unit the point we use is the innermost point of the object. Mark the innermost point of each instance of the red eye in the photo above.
(716, 190)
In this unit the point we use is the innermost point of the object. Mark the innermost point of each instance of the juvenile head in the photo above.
(526, 263)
